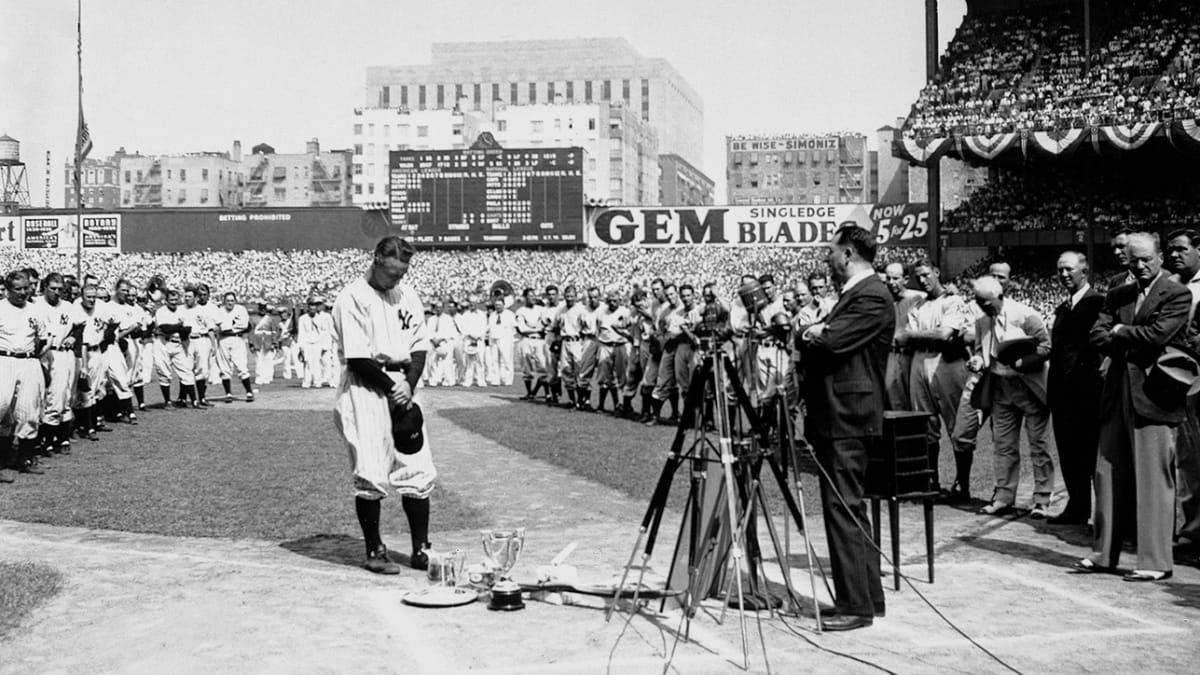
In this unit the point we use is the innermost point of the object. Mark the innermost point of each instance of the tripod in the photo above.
(708, 540)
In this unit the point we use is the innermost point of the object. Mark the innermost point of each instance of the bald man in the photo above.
(1016, 391)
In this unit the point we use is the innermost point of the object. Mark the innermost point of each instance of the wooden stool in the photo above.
(898, 470)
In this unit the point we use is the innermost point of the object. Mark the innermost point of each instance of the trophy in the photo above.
(502, 548)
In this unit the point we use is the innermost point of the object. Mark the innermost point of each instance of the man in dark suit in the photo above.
(1118, 244)
(1135, 467)
(1073, 387)
(846, 359)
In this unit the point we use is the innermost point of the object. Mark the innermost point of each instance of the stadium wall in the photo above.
(184, 230)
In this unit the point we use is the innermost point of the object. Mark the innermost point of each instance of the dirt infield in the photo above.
(141, 603)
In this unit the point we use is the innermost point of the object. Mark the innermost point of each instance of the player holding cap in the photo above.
(382, 342)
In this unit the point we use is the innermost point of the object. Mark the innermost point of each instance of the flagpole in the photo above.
(78, 149)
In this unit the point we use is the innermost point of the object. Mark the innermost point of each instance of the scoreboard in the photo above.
(495, 197)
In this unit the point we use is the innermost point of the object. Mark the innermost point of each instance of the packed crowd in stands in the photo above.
(1031, 71)
(287, 277)
(1061, 196)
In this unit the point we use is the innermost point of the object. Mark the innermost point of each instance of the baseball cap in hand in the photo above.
(407, 427)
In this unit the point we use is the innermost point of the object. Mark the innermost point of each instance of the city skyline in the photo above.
(177, 77)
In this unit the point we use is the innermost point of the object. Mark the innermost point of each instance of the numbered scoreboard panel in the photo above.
(531, 196)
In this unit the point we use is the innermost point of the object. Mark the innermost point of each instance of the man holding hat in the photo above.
(382, 340)
(1137, 421)
(1013, 346)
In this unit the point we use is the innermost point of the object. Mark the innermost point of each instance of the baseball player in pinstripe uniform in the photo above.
(64, 329)
(93, 363)
(21, 335)
(119, 352)
(200, 341)
(531, 345)
(382, 342)
(233, 322)
(171, 355)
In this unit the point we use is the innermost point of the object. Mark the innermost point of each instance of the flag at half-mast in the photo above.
(83, 138)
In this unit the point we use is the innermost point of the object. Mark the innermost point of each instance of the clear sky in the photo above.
(174, 76)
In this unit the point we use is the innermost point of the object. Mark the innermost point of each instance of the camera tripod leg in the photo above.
(648, 531)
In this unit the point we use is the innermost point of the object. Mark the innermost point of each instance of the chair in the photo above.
(898, 469)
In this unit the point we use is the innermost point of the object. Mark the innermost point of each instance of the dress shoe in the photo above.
(1147, 575)
(958, 494)
(839, 622)
(1087, 566)
(1068, 518)
(379, 563)
(995, 509)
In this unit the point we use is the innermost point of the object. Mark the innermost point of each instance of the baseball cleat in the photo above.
(229, 398)
(249, 397)
(379, 563)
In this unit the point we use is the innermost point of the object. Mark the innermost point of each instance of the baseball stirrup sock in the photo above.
(201, 388)
(246, 385)
(139, 394)
(368, 519)
(225, 384)
(417, 511)
(166, 393)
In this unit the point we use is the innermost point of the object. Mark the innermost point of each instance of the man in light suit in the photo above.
(1073, 387)
(1015, 392)
(1135, 468)
(846, 359)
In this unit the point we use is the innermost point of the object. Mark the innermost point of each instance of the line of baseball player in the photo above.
(74, 356)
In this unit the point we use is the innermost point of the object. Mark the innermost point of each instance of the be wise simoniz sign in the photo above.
(774, 225)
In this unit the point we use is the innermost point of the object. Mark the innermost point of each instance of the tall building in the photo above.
(311, 178)
(378, 131)
(797, 169)
(98, 180)
(621, 149)
(473, 76)
(201, 179)
(681, 184)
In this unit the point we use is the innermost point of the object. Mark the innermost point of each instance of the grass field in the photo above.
(256, 471)
(240, 471)
(629, 457)
(24, 586)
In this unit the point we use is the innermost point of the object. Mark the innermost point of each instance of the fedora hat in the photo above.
(1173, 377)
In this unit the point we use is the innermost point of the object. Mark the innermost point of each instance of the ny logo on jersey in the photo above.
(406, 319)
(33, 323)
(62, 319)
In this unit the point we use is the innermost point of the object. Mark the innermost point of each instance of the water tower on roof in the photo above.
(14, 186)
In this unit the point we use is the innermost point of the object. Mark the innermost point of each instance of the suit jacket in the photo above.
(1074, 375)
(1145, 334)
(844, 367)
(1028, 322)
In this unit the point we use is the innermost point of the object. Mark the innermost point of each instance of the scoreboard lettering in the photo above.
(488, 197)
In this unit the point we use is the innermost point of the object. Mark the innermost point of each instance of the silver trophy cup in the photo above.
(503, 548)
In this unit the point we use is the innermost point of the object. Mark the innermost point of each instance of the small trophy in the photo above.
(502, 548)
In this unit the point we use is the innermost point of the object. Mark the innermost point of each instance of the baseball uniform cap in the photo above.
(407, 425)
